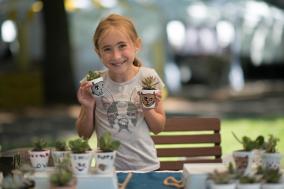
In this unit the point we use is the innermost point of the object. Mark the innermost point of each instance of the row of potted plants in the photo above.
(257, 152)
(231, 179)
(71, 159)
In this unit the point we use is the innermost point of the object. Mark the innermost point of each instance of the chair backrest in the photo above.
(188, 140)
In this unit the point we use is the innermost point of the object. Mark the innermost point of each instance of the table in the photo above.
(139, 180)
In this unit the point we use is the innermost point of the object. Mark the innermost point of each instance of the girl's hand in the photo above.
(158, 96)
(84, 96)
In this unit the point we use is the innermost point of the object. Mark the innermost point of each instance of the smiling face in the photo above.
(117, 51)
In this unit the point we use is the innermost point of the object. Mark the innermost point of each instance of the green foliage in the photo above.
(270, 145)
(221, 177)
(62, 174)
(39, 144)
(245, 179)
(107, 144)
(79, 145)
(93, 75)
(61, 145)
(250, 144)
(149, 83)
(271, 175)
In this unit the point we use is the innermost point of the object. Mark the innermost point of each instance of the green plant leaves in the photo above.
(107, 144)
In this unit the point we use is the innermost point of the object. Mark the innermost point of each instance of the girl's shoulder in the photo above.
(147, 71)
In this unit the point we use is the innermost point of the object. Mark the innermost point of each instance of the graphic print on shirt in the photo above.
(122, 114)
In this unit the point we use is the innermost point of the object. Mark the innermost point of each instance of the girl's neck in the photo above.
(120, 78)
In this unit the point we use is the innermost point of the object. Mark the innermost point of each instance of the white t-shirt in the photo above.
(119, 111)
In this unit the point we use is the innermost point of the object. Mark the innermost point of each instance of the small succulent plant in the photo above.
(79, 145)
(271, 175)
(62, 174)
(221, 177)
(149, 83)
(39, 144)
(246, 179)
(250, 144)
(270, 145)
(61, 146)
(91, 75)
(107, 143)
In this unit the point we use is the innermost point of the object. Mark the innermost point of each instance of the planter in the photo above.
(271, 160)
(81, 163)
(243, 161)
(273, 186)
(58, 156)
(148, 98)
(39, 159)
(257, 158)
(249, 186)
(105, 162)
(97, 86)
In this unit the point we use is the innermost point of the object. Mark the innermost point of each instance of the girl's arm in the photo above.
(85, 120)
(85, 123)
(156, 118)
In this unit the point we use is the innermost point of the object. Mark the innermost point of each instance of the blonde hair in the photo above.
(121, 23)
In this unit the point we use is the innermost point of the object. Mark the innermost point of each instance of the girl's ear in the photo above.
(98, 52)
(138, 44)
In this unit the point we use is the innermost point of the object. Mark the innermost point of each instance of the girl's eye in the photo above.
(106, 49)
(121, 46)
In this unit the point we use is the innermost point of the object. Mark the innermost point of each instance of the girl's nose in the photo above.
(116, 54)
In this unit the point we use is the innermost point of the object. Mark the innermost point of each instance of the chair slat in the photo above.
(189, 152)
(183, 139)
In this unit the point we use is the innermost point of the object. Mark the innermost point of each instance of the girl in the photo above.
(119, 111)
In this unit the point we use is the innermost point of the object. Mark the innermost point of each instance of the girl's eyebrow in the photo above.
(118, 43)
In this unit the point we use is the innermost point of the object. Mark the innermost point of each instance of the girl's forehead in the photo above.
(113, 34)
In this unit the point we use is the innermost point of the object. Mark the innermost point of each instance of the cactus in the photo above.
(149, 83)
(107, 144)
(79, 145)
(39, 144)
(93, 75)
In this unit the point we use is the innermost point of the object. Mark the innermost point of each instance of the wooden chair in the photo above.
(188, 140)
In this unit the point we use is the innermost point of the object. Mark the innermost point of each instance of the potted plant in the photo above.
(106, 154)
(81, 155)
(148, 91)
(221, 180)
(39, 155)
(249, 182)
(95, 77)
(60, 151)
(272, 179)
(245, 157)
(271, 158)
(62, 176)
(19, 179)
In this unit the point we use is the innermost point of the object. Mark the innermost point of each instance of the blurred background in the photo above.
(218, 58)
